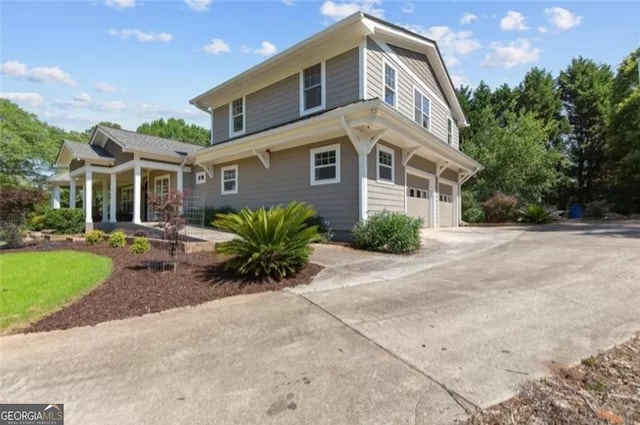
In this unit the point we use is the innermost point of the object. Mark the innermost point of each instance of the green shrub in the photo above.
(536, 214)
(140, 245)
(211, 214)
(65, 220)
(473, 215)
(10, 234)
(36, 222)
(273, 243)
(500, 208)
(325, 232)
(94, 237)
(596, 209)
(117, 239)
(388, 232)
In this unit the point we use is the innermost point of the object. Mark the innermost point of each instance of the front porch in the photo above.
(117, 194)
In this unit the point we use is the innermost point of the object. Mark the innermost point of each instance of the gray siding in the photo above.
(419, 65)
(279, 102)
(75, 164)
(422, 164)
(381, 195)
(287, 180)
(220, 124)
(116, 151)
(406, 83)
(343, 84)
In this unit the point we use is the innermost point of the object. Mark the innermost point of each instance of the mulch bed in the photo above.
(602, 390)
(133, 289)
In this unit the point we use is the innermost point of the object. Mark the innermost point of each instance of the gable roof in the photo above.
(136, 142)
(333, 40)
(86, 151)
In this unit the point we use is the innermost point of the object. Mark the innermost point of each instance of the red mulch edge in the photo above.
(134, 290)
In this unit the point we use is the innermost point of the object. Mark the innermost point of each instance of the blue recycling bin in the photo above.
(576, 210)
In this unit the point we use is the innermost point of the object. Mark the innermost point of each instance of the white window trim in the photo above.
(381, 148)
(244, 117)
(162, 177)
(385, 64)
(323, 89)
(413, 105)
(222, 170)
(124, 189)
(449, 132)
(202, 174)
(312, 165)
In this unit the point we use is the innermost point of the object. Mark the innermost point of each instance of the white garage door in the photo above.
(445, 205)
(418, 198)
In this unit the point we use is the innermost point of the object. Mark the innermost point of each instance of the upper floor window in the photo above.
(201, 177)
(237, 117)
(390, 84)
(385, 164)
(325, 165)
(229, 179)
(422, 109)
(449, 131)
(312, 87)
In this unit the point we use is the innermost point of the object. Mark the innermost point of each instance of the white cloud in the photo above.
(513, 21)
(266, 49)
(288, 2)
(120, 4)
(512, 54)
(542, 29)
(340, 10)
(467, 18)
(82, 97)
(85, 102)
(459, 80)
(407, 8)
(114, 105)
(141, 36)
(104, 87)
(451, 61)
(216, 46)
(459, 43)
(28, 99)
(563, 19)
(37, 75)
(198, 5)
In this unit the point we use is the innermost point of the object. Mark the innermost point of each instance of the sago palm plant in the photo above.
(272, 243)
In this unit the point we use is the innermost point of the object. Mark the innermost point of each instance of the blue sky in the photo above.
(75, 63)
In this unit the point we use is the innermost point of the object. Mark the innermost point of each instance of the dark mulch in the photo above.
(133, 289)
(602, 390)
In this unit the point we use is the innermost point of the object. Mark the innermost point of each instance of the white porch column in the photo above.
(55, 198)
(88, 196)
(112, 199)
(137, 192)
(180, 184)
(362, 174)
(72, 192)
(105, 201)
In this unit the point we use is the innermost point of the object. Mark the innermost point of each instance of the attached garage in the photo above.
(418, 198)
(445, 209)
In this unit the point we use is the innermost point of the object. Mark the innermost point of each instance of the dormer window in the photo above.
(312, 88)
(236, 117)
(390, 84)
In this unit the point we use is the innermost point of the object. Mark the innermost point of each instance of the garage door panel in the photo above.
(445, 205)
(418, 198)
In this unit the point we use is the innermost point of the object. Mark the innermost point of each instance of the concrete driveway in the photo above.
(420, 348)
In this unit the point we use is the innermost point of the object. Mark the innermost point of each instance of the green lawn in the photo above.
(33, 284)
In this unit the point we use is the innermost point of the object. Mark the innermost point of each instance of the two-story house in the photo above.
(357, 119)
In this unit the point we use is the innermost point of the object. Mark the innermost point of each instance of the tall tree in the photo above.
(503, 101)
(539, 95)
(464, 94)
(176, 129)
(623, 142)
(586, 92)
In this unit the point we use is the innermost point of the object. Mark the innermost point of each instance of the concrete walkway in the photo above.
(417, 349)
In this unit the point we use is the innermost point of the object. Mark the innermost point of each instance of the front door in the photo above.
(161, 188)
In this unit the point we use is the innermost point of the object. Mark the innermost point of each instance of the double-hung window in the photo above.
(312, 88)
(229, 179)
(390, 84)
(422, 109)
(449, 131)
(236, 115)
(325, 165)
(385, 164)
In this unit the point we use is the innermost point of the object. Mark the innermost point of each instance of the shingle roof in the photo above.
(86, 151)
(131, 140)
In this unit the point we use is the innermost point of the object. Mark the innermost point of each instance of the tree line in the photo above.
(557, 140)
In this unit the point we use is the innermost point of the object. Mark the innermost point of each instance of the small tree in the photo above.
(168, 208)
